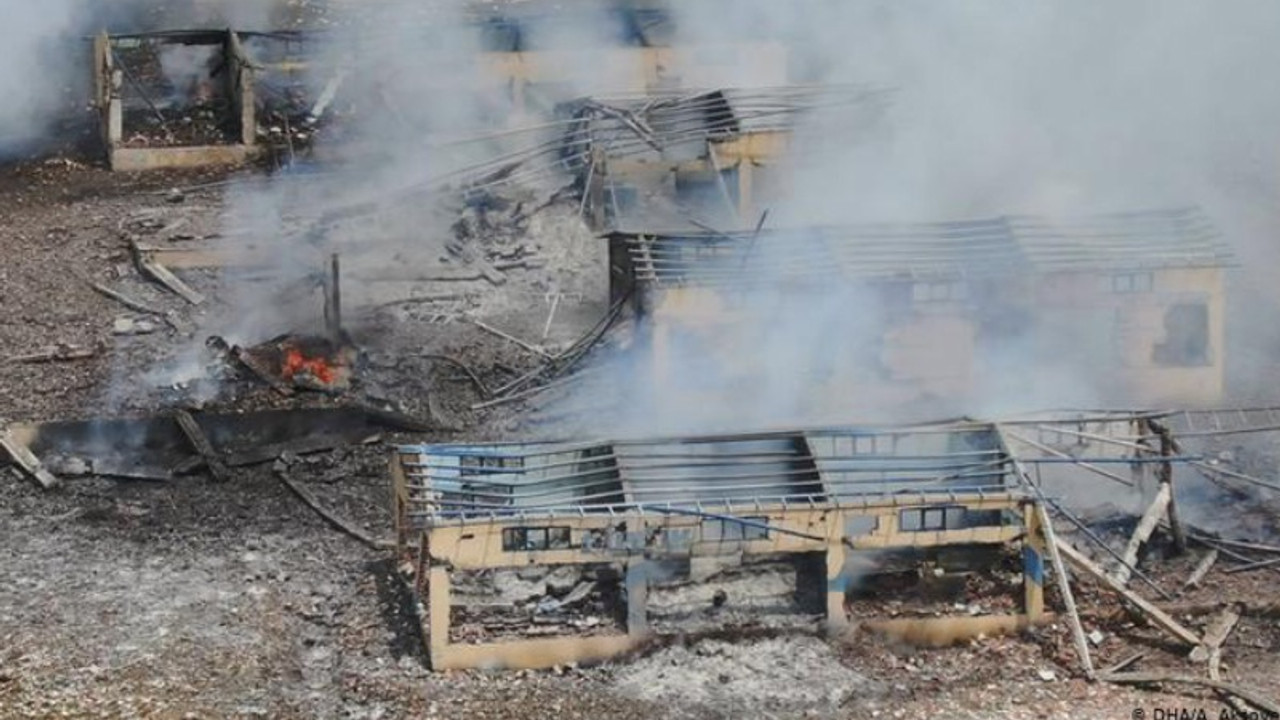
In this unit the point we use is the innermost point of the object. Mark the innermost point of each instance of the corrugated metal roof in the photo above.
(1181, 237)
(820, 465)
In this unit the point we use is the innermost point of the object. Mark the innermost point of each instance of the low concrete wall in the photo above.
(134, 159)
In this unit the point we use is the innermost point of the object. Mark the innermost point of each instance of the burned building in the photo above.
(631, 510)
(174, 99)
(714, 153)
(180, 98)
(924, 312)
(544, 56)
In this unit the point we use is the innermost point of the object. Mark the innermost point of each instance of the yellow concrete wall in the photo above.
(641, 69)
(934, 349)
(1079, 316)
(1133, 323)
(478, 544)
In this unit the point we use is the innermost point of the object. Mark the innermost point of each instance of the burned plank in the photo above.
(1258, 565)
(305, 446)
(1202, 568)
(1247, 609)
(1158, 616)
(150, 267)
(123, 299)
(333, 300)
(1142, 532)
(27, 461)
(1168, 448)
(250, 363)
(1250, 696)
(338, 522)
(1124, 663)
(58, 353)
(200, 443)
(510, 338)
(490, 273)
(124, 469)
(1215, 634)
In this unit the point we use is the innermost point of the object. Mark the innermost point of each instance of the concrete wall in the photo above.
(108, 85)
(1134, 314)
(1116, 332)
(636, 69)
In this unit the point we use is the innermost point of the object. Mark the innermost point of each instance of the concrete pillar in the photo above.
(595, 188)
(837, 587)
(746, 197)
(637, 586)
(1033, 550)
(438, 612)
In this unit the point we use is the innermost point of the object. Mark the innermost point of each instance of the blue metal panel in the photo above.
(1032, 565)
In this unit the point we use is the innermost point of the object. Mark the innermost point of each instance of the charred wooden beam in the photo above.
(150, 267)
(1168, 448)
(1202, 568)
(1158, 616)
(27, 461)
(200, 443)
(1250, 696)
(1147, 525)
(333, 301)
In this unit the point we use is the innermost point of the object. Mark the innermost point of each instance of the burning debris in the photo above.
(289, 362)
(307, 362)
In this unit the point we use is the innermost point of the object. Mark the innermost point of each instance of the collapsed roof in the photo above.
(829, 465)
(1171, 238)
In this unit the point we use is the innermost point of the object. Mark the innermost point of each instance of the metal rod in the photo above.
(1086, 466)
(128, 74)
(1253, 566)
(1102, 544)
(1206, 467)
(1188, 459)
(746, 522)
(546, 328)
(1055, 557)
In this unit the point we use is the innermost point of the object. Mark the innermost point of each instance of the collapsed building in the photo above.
(186, 98)
(931, 309)
(634, 506)
(205, 76)
(846, 508)
(719, 153)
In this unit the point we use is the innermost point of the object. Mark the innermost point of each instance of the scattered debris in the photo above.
(60, 353)
(28, 462)
(202, 446)
(150, 267)
(1245, 694)
(129, 326)
(281, 471)
(123, 299)
(1155, 512)
(1158, 616)
(1202, 569)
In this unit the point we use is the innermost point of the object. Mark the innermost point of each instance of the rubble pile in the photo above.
(168, 107)
(536, 602)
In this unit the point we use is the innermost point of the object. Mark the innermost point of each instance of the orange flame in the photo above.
(296, 363)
